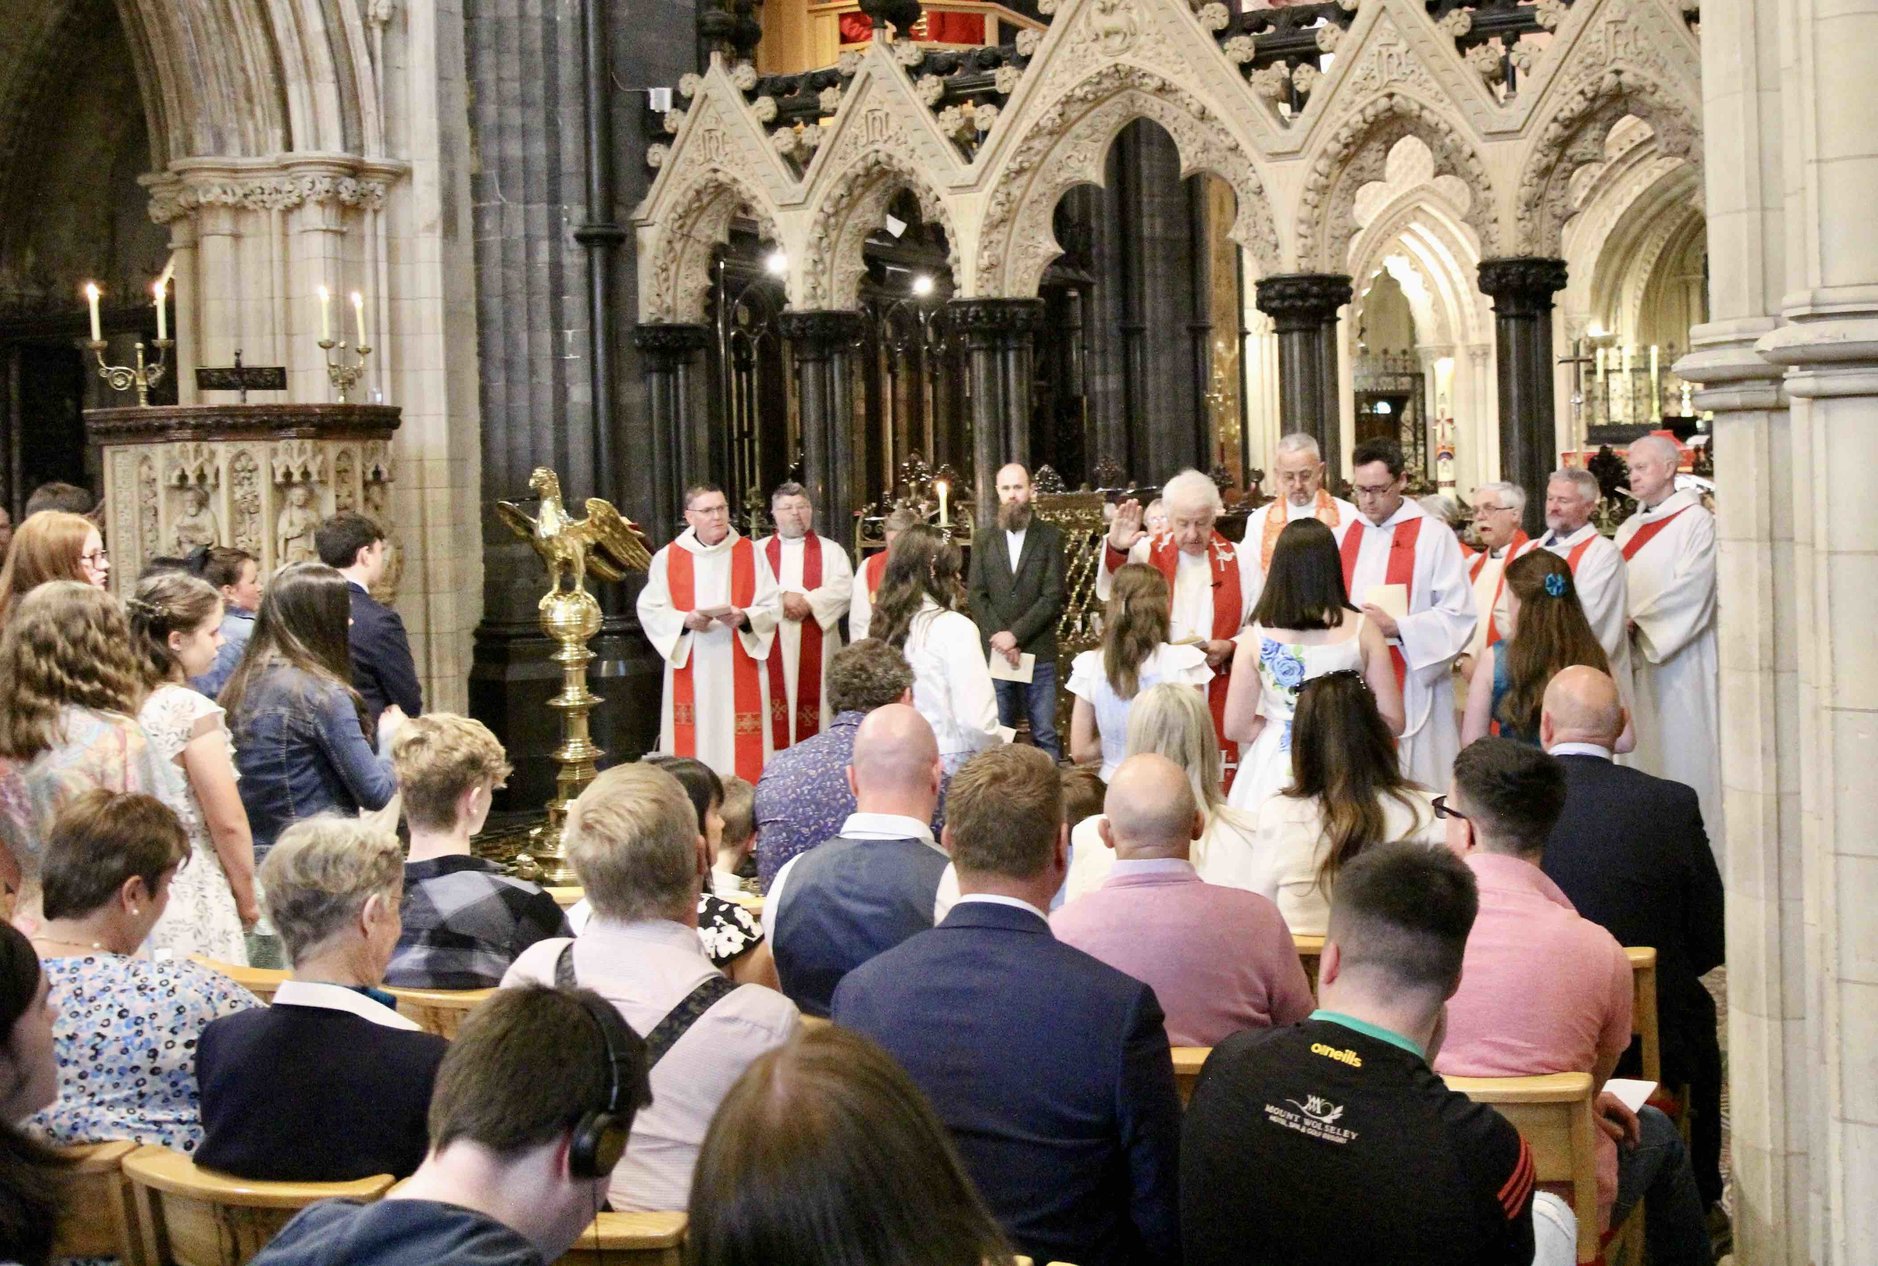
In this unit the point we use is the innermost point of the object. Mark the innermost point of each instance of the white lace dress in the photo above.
(1284, 667)
(201, 918)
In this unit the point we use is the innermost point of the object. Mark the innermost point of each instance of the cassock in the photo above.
(1669, 556)
(1438, 627)
(1486, 572)
(1598, 573)
(867, 588)
(716, 701)
(1268, 522)
(818, 569)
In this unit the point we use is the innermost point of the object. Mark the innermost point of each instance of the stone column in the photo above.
(680, 437)
(1303, 308)
(819, 343)
(999, 338)
(1521, 289)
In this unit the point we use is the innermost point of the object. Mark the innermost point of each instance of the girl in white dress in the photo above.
(1135, 655)
(175, 621)
(917, 612)
(1302, 627)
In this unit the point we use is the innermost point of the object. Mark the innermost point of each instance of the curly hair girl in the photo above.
(66, 645)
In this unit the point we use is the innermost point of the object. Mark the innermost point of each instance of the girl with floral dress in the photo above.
(175, 621)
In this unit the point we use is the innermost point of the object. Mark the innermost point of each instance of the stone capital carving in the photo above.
(1301, 301)
(814, 335)
(979, 318)
(1522, 285)
(667, 344)
(176, 194)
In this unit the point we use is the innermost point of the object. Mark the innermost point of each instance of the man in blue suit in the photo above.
(382, 670)
(1050, 1068)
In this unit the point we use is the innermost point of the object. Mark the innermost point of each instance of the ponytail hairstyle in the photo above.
(1550, 634)
(166, 603)
(1136, 622)
(1344, 758)
(922, 563)
(31, 1174)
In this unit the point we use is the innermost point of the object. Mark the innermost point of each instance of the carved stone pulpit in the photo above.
(256, 476)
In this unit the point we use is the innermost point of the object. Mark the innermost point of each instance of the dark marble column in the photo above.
(1522, 290)
(820, 344)
(1304, 306)
(680, 431)
(1000, 342)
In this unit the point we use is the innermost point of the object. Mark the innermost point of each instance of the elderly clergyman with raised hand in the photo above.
(1298, 472)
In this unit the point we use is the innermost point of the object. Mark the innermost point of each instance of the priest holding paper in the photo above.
(1597, 565)
(1298, 470)
(1668, 547)
(710, 608)
(815, 580)
(1405, 571)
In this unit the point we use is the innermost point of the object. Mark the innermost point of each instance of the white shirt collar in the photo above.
(1304, 511)
(887, 826)
(688, 539)
(1676, 500)
(1569, 538)
(1404, 512)
(998, 899)
(313, 993)
(1152, 866)
(1580, 749)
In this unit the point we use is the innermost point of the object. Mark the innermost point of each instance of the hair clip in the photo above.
(1555, 584)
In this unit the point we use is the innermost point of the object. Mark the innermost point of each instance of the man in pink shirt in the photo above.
(1218, 959)
(1546, 991)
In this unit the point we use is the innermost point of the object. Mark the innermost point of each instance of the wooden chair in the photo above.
(438, 1011)
(1310, 949)
(1555, 1115)
(1188, 1060)
(1644, 1021)
(568, 896)
(196, 1217)
(811, 1022)
(259, 981)
(99, 1219)
(630, 1239)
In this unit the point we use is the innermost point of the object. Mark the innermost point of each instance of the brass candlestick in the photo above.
(141, 376)
(342, 375)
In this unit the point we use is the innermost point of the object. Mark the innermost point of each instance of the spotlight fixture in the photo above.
(922, 285)
(776, 263)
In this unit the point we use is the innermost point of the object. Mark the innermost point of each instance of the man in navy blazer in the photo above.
(382, 670)
(1050, 1069)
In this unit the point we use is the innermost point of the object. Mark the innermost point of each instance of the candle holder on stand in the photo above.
(342, 375)
(141, 376)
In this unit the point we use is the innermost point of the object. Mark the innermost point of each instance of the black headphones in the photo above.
(600, 1136)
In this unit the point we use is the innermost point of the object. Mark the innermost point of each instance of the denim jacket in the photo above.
(300, 752)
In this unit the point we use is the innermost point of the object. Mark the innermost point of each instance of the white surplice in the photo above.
(1438, 627)
(861, 599)
(828, 602)
(714, 674)
(1193, 595)
(1602, 592)
(1675, 671)
(1253, 543)
(1490, 594)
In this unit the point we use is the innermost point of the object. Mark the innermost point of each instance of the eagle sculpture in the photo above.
(605, 540)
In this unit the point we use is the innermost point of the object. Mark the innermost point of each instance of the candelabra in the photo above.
(140, 376)
(342, 375)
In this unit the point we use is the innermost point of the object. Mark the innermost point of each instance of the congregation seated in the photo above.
(873, 885)
(1331, 1140)
(1218, 959)
(1547, 991)
(825, 1151)
(1346, 792)
(533, 1105)
(732, 936)
(1050, 1069)
(31, 1177)
(1630, 853)
(737, 842)
(465, 921)
(347, 1079)
(127, 1026)
(803, 796)
(633, 841)
(1135, 655)
(1173, 721)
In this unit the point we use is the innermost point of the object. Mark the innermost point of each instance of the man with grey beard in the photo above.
(1016, 589)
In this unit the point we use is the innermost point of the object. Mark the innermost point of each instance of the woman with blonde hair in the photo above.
(1135, 654)
(176, 621)
(70, 690)
(52, 545)
(1173, 721)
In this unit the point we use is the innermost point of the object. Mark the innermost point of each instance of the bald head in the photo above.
(895, 766)
(1581, 706)
(1151, 810)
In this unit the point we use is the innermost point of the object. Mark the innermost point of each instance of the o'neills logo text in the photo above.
(1341, 1056)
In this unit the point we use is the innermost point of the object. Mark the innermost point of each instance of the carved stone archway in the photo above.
(854, 205)
(677, 281)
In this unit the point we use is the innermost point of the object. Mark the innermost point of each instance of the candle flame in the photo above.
(325, 294)
(358, 300)
(91, 291)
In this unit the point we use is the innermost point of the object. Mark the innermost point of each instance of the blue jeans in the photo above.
(1657, 1172)
(1037, 700)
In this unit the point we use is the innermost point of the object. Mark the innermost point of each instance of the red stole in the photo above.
(1228, 612)
(1279, 516)
(873, 572)
(808, 665)
(746, 687)
(1578, 552)
(1400, 570)
(1646, 533)
(1513, 547)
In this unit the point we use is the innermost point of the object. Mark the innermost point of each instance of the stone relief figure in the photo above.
(293, 531)
(196, 525)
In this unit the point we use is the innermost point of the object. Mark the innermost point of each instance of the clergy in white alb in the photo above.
(1668, 547)
(1393, 542)
(873, 570)
(710, 609)
(1298, 471)
(1499, 508)
(815, 580)
(1597, 565)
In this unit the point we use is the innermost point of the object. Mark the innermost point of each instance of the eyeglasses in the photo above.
(1480, 510)
(95, 557)
(1442, 810)
(1381, 490)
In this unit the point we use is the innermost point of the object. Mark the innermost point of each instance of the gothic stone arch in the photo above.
(676, 281)
(854, 205)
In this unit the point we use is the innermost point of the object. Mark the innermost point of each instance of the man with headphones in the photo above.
(532, 1108)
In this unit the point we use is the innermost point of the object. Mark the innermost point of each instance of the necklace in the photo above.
(53, 940)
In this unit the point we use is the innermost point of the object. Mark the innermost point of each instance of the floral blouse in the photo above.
(125, 1038)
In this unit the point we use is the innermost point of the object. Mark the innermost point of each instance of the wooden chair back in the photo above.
(1644, 1021)
(196, 1217)
(1554, 1113)
(630, 1239)
(1188, 1061)
(99, 1218)
(1310, 949)
(438, 1011)
(568, 896)
(259, 981)
(810, 1022)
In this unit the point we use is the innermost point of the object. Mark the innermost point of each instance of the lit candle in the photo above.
(940, 485)
(97, 329)
(163, 320)
(326, 315)
(358, 316)
(1656, 385)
